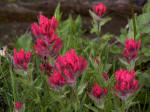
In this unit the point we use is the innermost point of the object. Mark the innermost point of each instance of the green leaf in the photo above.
(144, 96)
(93, 15)
(146, 7)
(123, 36)
(64, 94)
(115, 49)
(81, 88)
(143, 19)
(106, 37)
(25, 42)
(144, 79)
(25, 82)
(146, 51)
(108, 67)
(57, 13)
(21, 72)
(123, 62)
(95, 27)
(91, 108)
(78, 25)
(104, 21)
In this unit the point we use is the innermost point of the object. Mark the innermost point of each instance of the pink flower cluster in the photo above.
(96, 61)
(47, 67)
(99, 9)
(47, 42)
(131, 49)
(45, 28)
(21, 59)
(98, 92)
(105, 76)
(125, 83)
(67, 68)
(18, 106)
(57, 80)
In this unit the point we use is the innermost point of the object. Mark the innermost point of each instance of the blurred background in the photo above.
(16, 16)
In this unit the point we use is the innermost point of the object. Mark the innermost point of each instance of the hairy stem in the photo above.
(133, 18)
(13, 84)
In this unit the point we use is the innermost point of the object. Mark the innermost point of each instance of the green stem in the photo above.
(76, 99)
(133, 18)
(123, 106)
(36, 91)
(131, 65)
(13, 84)
(39, 100)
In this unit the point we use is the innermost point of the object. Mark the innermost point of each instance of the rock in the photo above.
(24, 13)
(139, 2)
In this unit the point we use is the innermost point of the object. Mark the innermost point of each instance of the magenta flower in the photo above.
(125, 83)
(66, 69)
(98, 92)
(105, 76)
(45, 26)
(18, 106)
(131, 49)
(99, 9)
(41, 48)
(47, 67)
(45, 49)
(70, 65)
(21, 59)
(96, 61)
(47, 42)
(57, 80)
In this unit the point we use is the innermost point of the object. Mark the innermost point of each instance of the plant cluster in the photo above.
(52, 68)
